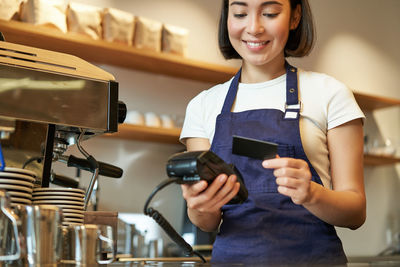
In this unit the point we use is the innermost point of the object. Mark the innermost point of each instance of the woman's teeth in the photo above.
(258, 44)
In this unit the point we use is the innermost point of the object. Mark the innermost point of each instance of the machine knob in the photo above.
(121, 111)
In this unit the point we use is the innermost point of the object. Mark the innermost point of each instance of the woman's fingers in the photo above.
(231, 194)
(206, 198)
(288, 167)
(284, 162)
(212, 199)
(293, 177)
(291, 172)
(288, 182)
(215, 186)
(226, 192)
(190, 190)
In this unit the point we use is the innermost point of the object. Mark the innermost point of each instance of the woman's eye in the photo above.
(271, 15)
(240, 15)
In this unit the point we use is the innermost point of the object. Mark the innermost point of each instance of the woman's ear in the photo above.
(295, 17)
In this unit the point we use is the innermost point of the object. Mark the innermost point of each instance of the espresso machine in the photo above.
(50, 101)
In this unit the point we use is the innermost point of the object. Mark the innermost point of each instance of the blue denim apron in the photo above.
(269, 228)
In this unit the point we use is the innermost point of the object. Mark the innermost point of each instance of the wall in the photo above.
(357, 43)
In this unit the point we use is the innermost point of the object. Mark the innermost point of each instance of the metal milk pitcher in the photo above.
(83, 245)
(40, 231)
(9, 240)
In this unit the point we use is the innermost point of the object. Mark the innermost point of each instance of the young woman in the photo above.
(316, 181)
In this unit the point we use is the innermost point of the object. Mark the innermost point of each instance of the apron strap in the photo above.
(292, 105)
(230, 97)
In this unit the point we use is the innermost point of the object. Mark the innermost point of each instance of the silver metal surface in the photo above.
(8, 239)
(52, 98)
(59, 91)
(39, 227)
(131, 241)
(84, 245)
(45, 105)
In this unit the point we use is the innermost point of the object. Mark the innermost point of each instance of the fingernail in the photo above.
(222, 178)
(265, 163)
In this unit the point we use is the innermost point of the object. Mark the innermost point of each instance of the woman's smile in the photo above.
(256, 45)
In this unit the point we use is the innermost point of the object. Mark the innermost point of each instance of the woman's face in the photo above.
(259, 29)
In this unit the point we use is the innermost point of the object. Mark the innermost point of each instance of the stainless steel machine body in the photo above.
(51, 98)
(60, 93)
(53, 88)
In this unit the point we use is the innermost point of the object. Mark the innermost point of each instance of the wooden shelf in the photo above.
(369, 102)
(144, 133)
(103, 52)
(378, 160)
(171, 136)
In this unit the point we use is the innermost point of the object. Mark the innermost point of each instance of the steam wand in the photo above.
(94, 167)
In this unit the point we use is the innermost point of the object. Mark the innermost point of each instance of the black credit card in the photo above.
(253, 148)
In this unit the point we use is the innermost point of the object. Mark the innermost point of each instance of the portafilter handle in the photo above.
(64, 181)
(105, 169)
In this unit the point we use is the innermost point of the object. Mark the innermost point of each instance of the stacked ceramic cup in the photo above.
(69, 200)
(19, 185)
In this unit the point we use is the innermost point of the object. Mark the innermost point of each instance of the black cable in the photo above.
(158, 188)
(159, 218)
(200, 256)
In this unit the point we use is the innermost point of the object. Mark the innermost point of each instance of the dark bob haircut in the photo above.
(300, 41)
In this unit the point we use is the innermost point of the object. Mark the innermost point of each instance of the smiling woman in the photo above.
(300, 40)
(316, 181)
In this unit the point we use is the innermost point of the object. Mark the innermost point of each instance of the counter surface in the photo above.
(194, 262)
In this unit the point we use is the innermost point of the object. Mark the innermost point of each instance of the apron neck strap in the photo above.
(230, 97)
(292, 95)
(292, 105)
(292, 92)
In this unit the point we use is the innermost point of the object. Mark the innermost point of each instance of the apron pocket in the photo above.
(255, 176)
(285, 150)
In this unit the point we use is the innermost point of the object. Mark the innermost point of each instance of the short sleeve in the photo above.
(193, 125)
(343, 107)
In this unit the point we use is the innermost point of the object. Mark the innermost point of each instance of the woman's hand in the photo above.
(204, 201)
(205, 198)
(293, 177)
(344, 205)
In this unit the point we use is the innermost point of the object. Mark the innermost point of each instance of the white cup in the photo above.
(152, 120)
(167, 121)
(134, 117)
(178, 120)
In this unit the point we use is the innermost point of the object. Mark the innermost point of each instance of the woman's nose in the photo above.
(255, 26)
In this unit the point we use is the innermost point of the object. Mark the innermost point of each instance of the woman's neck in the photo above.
(262, 73)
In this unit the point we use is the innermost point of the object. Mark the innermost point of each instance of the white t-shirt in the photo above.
(326, 103)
